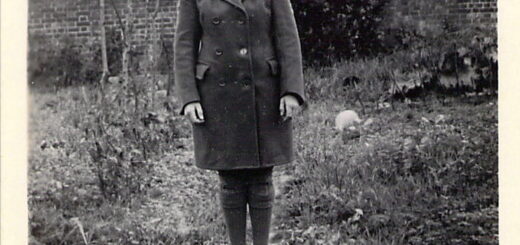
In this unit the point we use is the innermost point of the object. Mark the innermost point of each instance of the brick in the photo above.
(83, 24)
(82, 18)
(83, 12)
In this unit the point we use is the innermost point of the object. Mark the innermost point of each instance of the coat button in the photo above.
(222, 83)
(243, 51)
(216, 21)
(219, 52)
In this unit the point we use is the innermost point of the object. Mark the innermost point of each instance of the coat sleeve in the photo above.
(186, 45)
(288, 49)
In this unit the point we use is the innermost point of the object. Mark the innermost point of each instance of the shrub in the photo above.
(330, 30)
(63, 61)
(58, 62)
(126, 128)
(468, 59)
(448, 63)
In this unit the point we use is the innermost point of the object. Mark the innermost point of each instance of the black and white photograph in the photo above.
(283, 122)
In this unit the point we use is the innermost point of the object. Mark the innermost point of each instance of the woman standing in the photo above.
(238, 74)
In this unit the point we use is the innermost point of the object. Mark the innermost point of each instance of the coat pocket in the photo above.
(274, 67)
(200, 71)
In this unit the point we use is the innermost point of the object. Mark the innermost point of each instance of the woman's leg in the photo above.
(236, 224)
(261, 223)
(233, 201)
(260, 199)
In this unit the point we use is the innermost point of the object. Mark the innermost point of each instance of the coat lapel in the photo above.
(237, 3)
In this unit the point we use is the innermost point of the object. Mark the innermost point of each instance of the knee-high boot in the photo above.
(233, 200)
(261, 223)
(236, 224)
(261, 197)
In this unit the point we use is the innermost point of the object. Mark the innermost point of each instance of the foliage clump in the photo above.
(330, 30)
(57, 62)
(61, 62)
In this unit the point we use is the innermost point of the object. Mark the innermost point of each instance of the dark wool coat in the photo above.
(238, 58)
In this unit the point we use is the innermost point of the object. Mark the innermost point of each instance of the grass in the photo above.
(413, 180)
(64, 187)
(422, 173)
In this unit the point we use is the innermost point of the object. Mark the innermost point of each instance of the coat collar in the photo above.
(237, 3)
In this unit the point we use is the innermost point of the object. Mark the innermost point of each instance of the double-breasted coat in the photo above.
(238, 58)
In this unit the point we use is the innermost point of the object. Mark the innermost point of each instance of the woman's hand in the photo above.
(194, 112)
(288, 106)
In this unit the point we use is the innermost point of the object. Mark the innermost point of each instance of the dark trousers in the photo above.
(251, 188)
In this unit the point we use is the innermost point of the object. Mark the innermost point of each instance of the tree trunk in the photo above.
(105, 74)
(126, 31)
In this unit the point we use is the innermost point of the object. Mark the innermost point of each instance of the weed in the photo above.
(119, 163)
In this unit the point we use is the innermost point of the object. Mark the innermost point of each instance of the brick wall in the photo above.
(79, 18)
(434, 13)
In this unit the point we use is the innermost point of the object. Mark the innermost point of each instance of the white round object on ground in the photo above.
(346, 119)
